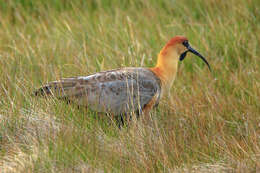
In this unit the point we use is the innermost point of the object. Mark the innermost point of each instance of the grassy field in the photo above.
(211, 122)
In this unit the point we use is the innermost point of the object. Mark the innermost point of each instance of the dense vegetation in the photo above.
(210, 123)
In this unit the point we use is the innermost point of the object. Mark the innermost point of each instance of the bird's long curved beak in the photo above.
(190, 49)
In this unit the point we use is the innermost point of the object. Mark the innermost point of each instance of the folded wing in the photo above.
(116, 91)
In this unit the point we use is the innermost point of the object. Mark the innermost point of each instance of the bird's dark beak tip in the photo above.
(190, 49)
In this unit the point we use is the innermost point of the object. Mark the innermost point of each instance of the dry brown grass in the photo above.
(211, 122)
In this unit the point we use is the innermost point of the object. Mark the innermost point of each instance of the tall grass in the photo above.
(211, 122)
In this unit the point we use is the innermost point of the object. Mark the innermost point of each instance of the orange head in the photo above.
(167, 63)
(177, 49)
(176, 43)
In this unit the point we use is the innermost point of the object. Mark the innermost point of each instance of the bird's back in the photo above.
(116, 91)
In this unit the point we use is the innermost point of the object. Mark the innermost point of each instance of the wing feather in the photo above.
(115, 91)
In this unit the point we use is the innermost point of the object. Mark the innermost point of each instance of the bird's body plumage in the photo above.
(116, 91)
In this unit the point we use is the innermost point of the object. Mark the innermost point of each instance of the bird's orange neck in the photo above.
(166, 67)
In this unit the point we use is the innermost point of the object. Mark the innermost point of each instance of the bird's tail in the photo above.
(43, 91)
(51, 89)
(62, 88)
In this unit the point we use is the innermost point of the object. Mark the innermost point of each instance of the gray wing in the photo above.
(116, 91)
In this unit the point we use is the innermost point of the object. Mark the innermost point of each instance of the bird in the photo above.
(124, 90)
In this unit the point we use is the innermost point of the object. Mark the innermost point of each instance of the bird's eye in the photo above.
(185, 43)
